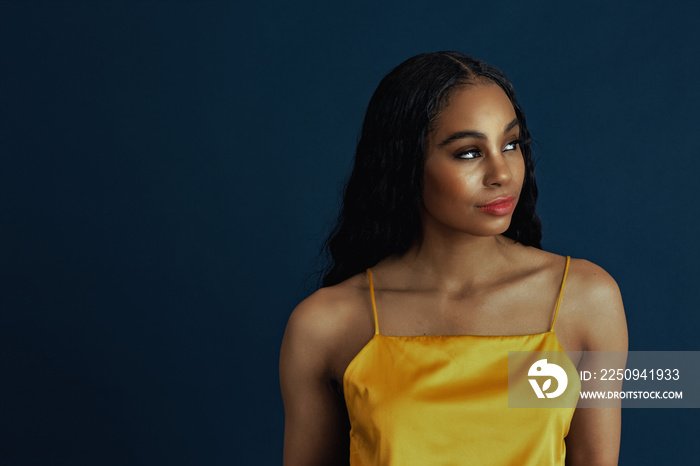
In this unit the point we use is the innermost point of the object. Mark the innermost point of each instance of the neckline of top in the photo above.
(478, 335)
(377, 336)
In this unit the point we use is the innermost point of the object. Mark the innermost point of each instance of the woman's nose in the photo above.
(497, 170)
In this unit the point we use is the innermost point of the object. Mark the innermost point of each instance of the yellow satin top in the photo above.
(443, 400)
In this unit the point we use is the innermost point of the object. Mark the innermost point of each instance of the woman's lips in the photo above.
(499, 206)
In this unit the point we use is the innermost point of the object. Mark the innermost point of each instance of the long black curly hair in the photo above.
(380, 210)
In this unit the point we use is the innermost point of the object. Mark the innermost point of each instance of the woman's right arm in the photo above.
(316, 429)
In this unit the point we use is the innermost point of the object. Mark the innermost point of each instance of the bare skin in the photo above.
(464, 277)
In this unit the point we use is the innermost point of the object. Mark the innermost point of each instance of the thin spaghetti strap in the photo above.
(561, 293)
(374, 304)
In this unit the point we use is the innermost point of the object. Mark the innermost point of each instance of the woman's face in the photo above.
(474, 168)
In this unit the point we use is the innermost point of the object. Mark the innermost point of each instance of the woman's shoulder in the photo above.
(591, 285)
(591, 313)
(582, 274)
(328, 316)
(592, 307)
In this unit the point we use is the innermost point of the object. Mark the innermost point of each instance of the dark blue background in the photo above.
(169, 170)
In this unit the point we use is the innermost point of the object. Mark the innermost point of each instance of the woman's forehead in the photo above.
(475, 107)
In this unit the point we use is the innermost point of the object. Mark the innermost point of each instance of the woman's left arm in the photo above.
(594, 434)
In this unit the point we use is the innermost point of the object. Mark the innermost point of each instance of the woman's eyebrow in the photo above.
(511, 125)
(475, 134)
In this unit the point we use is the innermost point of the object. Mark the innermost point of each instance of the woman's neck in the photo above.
(457, 262)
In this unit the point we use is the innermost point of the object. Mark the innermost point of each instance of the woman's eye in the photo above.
(511, 145)
(468, 154)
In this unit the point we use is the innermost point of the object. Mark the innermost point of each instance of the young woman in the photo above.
(437, 272)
